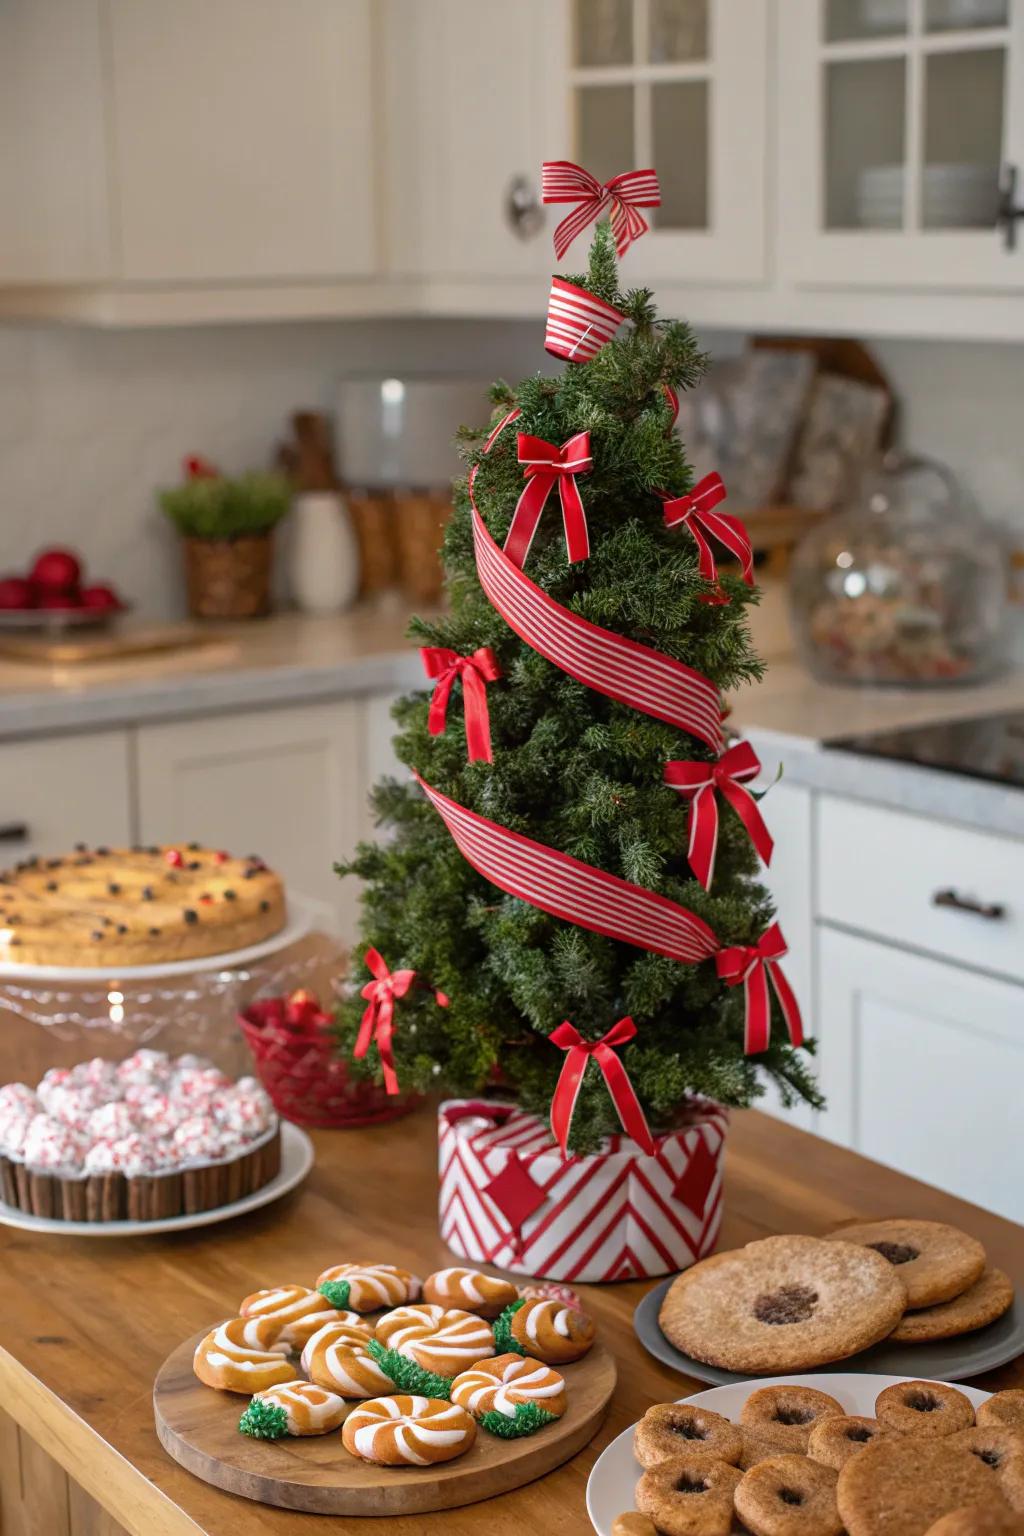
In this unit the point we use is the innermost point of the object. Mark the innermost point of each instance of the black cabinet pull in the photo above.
(993, 911)
(14, 832)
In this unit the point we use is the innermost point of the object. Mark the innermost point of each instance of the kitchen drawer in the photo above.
(881, 872)
(59, 790)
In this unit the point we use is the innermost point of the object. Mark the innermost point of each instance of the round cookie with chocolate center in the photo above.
(900, 1486)
(934, 1261)
(1004, 1408)
(833, 1441)
(785, 1416)
(985, 1301)
(689, 1496)
(789, 1496)
(926, 1409)
(783, 1304)
(1002, 1449)
(676, 1429)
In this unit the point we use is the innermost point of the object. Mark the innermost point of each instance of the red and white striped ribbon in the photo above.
(567, 888)
(579, 323)
(609, 663)
(622, 197)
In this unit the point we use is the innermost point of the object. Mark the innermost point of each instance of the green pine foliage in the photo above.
(575, 770)
(527, 1419)
(407, 1375)
(222, 507)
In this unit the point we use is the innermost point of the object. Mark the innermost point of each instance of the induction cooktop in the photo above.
(990, 747)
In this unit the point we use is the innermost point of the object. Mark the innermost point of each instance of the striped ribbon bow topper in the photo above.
(562, 181)
(704, 782)
(754, 965)
(579, 1053)
(475, 672)
(695, 511)
(544, 467)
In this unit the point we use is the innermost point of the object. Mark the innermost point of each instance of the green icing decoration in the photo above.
(504, 1343)
(527, 1419)
(336, 1292)
(407, 1375)
(264, 1421)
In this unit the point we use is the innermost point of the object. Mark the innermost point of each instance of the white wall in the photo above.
(92, 421)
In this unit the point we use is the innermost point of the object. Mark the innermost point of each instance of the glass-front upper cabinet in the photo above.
(680, 85)
(901, 131)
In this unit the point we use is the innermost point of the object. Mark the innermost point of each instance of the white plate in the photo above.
(617, 1471)
(296, 1161)
(300, 919)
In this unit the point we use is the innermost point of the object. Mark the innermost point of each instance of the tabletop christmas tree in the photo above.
(566, 905)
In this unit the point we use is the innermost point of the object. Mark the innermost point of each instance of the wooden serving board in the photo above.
(198, 1427)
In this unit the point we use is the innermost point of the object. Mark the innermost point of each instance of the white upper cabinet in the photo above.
(899, 124)
(680, 85)
(241, 139)
(54, 227)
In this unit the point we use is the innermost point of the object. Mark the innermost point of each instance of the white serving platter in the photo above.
(301, 916)
(616, 1472)
(296, 1161)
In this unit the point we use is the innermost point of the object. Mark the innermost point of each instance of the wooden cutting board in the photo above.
(198, 1427)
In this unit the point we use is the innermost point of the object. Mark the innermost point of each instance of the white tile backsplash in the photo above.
(92, 421)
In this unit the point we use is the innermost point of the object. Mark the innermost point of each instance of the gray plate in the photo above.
(948, 1360)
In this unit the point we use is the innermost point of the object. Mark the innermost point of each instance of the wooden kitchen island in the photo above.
(85, 1324)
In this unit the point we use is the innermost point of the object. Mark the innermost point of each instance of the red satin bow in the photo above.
(755, 965)
(695, 511)
(627, 1106)
(476, 672)
(562, 181)
(701, 780)
(378, 1018)
(544, 465)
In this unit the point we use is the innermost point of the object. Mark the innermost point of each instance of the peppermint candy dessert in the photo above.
(150, 1137)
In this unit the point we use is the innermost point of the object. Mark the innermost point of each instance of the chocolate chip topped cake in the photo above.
(136, 906)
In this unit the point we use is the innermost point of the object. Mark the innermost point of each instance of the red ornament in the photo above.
(56, 569)
(50, 598)
(102, 598)
(174, 858)
(16, 592)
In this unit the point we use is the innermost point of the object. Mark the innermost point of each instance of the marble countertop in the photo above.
(293, 659)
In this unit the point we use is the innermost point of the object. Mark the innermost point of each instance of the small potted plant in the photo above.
(227, 527)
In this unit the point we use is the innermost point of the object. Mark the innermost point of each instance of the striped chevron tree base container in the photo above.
(510, 1199)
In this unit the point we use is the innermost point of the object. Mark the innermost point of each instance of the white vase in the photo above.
(324, 553)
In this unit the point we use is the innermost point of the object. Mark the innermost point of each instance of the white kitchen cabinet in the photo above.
(921, 1063)
(241, 138)
(788, 810)
(59, 790)
(288, 784)
(55, 226)
(897, 121)
(681, 85)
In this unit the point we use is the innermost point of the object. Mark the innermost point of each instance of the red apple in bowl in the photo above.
(16, 592)
(57, 601)
(56, 570)
(101, 598)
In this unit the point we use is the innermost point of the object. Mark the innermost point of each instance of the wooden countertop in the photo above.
(85, 1324)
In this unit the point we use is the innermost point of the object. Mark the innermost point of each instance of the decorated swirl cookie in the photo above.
(293, 1408)
(508, 1383)
(298, 1311)
(469, 1289)
(551, 1331)
(245, 1354)
(444, 1340)
(408, 1431)
(367, 1287)
(338, 1357)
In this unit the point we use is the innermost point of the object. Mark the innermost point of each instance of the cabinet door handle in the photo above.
(1010, 211)
(14, 832)
(993, 911)
(523, 212)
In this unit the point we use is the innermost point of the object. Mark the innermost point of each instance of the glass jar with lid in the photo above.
(907, 585)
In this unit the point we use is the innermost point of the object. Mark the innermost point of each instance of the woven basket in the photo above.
(228, 578)
(294, 1054)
